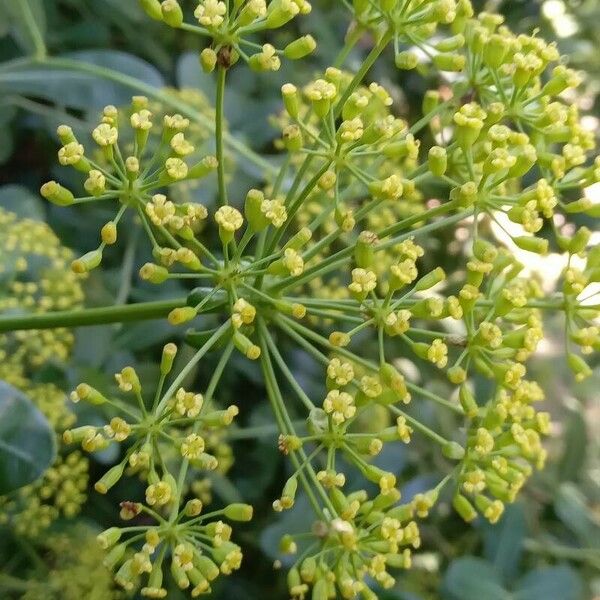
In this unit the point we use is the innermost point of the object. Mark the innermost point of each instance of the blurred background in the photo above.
(548, 543)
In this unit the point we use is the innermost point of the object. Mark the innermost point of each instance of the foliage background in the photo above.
(556, 523)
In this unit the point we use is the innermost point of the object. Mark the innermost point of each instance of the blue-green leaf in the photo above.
(504, 541)
(554, 583)
(472, 578)
(27, 442)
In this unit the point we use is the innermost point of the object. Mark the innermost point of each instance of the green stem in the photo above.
(219, 120)
(32, 27)
(91, 316)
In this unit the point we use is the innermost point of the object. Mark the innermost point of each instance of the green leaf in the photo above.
(19, 200)
(570, 506)
(576, 439)
(504, 541)
(472, 578)
(27, 442)
(82, 90)
(554, 583)
(27, 23)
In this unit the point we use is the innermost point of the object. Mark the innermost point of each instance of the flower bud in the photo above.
(300, 48)
(57, 194)
(208, 60)
(108, 233)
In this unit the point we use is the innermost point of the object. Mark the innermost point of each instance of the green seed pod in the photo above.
(453, 451)
(252, 210)
(580, 240)
(431, 101)
(467, 401)
(292, 138)
(207, 567)
(432, 278)
(203, 168)
(364, 251)
(300, 239)
(300, 48)
(89, 394)
(109, 479)
(87, 262)
(57, 194)
(109, 537)
(291, 99)
(278, 15)
(406, 60)
(449, 62)
(238, 512)
(532, 244)
(579, 367)
(438, 161)
(171, 13)
(152, 9)
(451, 44)
(464, 508)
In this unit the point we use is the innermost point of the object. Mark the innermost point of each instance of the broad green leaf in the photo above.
(504, 541)
(570, 505)
(554, 583)
(27, 24)
(472, 578)
(27, 442)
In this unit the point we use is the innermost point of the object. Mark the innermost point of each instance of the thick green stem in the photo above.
(91, 316)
